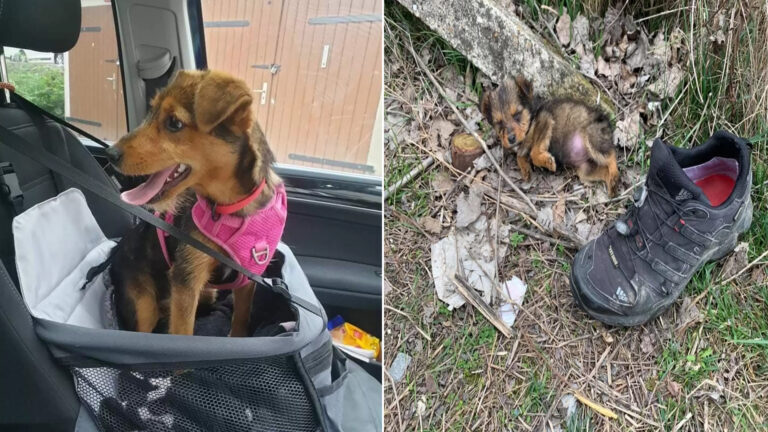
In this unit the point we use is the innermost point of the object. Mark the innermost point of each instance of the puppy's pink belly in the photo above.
(576, 151)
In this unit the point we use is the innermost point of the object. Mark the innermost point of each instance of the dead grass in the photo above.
(689, 370)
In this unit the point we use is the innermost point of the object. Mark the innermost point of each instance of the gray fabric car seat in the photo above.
(36, 393)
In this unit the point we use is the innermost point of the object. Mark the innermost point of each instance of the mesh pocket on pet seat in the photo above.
(254, 395)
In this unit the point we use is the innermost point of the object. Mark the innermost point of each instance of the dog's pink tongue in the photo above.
(141, 194)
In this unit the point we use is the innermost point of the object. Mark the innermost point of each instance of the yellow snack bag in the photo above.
(351, 335)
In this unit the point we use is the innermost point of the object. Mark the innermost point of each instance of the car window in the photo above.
(315, 71)
(83, 85)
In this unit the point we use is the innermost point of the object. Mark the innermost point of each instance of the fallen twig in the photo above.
(469, 293)
(595, 406)
(466, 125)
(394, 394)
(539, 236)
(426, 163)
(398, 311)
(515, 205)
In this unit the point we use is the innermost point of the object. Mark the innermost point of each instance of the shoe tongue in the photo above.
(665, 169)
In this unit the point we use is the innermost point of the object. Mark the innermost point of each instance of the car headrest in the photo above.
(40, 25)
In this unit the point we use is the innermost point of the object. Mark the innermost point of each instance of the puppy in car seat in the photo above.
(207, 169)
(552, 133)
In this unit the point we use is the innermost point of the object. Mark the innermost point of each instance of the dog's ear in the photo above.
(526, 87)
(221, 98)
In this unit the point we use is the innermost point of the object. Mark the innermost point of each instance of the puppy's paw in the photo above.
(612, 187)
(551, 164)
(525, 173)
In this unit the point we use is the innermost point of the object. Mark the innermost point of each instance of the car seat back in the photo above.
(36, 393)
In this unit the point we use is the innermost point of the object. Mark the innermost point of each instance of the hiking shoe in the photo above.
(692, 208)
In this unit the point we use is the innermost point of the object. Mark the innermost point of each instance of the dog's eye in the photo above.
(518, 116)
(173, 124)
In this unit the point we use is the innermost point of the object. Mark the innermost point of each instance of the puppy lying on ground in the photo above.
(553, 133)
(210, 174)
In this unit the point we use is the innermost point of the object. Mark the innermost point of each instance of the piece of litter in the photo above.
(399, 366)
(483, 162)
(421, 407)
(568, 402)
(468, 207)
(515, 292)
(470, 250)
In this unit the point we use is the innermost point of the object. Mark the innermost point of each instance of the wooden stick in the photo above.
(397, 311)
(515, 205)
(598, 408)
(469, 293)
(426, 163)
(466, 126)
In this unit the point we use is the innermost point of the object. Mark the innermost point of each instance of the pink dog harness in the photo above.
(250, 241)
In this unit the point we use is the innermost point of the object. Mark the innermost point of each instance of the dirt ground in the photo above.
(702, 365)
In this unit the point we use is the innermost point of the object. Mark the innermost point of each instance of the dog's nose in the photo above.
(511, 138)
(114, 155)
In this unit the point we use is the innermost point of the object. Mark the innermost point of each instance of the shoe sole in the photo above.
(630, 321)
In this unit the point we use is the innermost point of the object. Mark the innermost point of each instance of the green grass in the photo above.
(732, 313)
(42, 84)
(515, 239)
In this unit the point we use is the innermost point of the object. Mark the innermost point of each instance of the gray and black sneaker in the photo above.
(692, 208)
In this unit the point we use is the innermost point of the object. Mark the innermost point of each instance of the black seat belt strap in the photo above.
(17, 143)
(9, 187)
(27, 105)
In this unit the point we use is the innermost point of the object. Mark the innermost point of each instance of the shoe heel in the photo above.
(742, 225)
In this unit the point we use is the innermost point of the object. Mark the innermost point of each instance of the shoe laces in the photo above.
(647, 199)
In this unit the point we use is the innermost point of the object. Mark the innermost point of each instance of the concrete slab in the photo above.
(500, 44)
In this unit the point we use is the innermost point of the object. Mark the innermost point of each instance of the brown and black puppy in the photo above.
(200, 137)
(553, 133)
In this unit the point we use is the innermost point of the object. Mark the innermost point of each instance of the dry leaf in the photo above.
(431, 225)
(468, 207)
(545, 218)
(584, 230)
(607, 337)
(587, 64)
(442, 182)
(428, 312)
(673, 388)
(612, 25)
(736, 261)
(646, 343)
(667, 84)
(628, 130)
(688, 314)
(627, 81)
(558, 212)
(580, 31)
(637, 52)
(440, 135)
(608, 69)
(431, 384)
(658, 52)
(718, 37)
(563, 29)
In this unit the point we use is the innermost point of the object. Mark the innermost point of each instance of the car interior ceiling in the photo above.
(27, 371)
